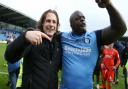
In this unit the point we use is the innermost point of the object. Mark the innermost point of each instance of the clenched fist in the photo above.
(102, 3)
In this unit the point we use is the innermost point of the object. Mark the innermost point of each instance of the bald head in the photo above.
(74, 14)
(77, 22)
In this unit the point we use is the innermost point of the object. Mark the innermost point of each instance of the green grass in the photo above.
(4, 77)
(3, 67)
(120, 85)
(2, 61)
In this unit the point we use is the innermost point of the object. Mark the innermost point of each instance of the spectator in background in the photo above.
(13, 69)
(124, 64)
(119, 47)
(19, 79)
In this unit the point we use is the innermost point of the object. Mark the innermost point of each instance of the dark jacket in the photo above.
(41, 63)
(124, 56)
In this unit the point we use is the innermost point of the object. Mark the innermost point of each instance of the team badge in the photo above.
(87, 40)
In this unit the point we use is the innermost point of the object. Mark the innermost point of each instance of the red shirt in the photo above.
(109, 56)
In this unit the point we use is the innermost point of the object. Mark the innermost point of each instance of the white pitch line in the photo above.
(3, 73)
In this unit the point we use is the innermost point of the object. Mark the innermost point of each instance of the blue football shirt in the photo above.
(80, 54)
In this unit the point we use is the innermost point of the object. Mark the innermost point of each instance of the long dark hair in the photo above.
(43, 17)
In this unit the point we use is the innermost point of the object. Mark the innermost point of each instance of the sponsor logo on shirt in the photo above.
(78, 51)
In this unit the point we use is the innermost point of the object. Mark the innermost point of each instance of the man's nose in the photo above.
(51, 23)
(82, 19)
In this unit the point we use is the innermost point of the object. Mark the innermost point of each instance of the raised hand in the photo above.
(102, 3)
(35, 37)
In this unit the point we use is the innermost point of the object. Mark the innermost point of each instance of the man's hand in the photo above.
(103, 3)
(35, 37)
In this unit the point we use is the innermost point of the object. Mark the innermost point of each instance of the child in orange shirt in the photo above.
(107, 66)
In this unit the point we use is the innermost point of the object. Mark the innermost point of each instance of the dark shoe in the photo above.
(116, 82)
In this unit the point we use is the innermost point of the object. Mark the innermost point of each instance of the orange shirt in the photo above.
(109, 56)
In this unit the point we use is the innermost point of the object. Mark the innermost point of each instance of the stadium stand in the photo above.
(8, 33)
(11, 16)
(12, 22)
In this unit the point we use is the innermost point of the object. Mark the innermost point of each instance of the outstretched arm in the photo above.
(15, 50)
(117, 27)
